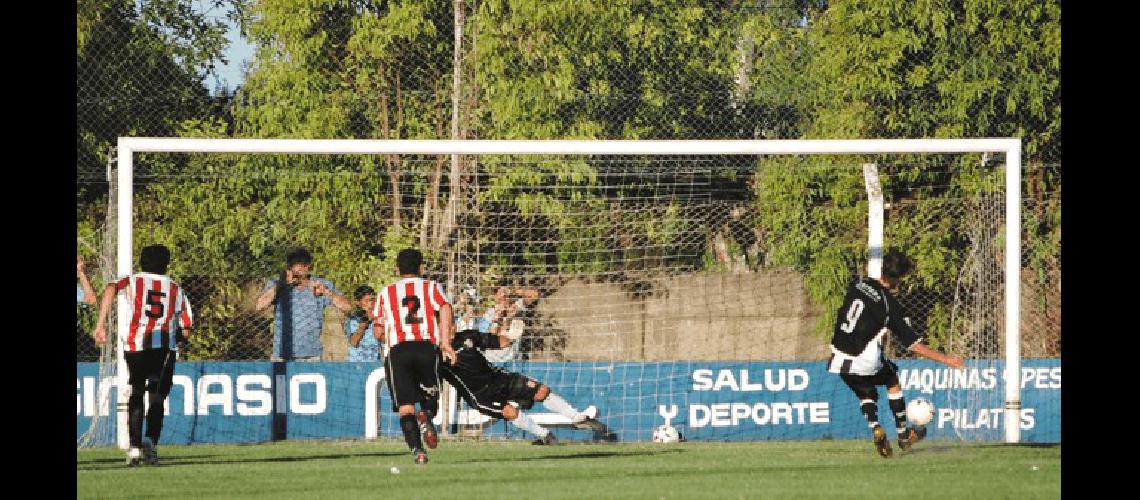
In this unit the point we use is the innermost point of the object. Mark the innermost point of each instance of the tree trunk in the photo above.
(390, 161)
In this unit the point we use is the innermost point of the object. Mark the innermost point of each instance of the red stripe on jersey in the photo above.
(394, 308)
(410, 291)
(437, 294)
(168, 324)
(429, 311)
(121, 284)
(135, 316)
(186, 317)
(156, 285)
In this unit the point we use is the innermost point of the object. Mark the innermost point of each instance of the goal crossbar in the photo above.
(128, 146)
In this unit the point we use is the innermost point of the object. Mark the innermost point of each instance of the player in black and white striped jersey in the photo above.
(869, 312)
(498, 393)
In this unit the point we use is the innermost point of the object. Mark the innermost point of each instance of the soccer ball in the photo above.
(666, 434)
(919, 411)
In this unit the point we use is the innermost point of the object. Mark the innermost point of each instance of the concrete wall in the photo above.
(750, 316)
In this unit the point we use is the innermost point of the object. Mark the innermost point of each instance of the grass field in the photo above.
(518, 470)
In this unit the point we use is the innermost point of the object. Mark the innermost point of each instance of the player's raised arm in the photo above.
(339, 301)
(88, 291)
(447, 323)
(947, 359)
(900, 325)
(105, 306)
(269, 295)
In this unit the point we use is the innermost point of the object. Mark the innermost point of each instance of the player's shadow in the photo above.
(1019, 445)
(945, 448)
(181, 460)
(574, 456)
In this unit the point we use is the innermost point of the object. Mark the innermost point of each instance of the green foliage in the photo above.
(641, 69)
(928, 69)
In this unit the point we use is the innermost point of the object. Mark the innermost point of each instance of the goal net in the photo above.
(688, 282)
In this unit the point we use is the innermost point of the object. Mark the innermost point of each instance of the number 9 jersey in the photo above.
(408, 310)
(868, 313)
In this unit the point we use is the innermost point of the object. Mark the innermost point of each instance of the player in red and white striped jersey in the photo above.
(416, 338)
(160, 319)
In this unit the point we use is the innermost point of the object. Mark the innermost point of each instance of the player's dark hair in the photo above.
(361, 291)
(896, 264)
(409, 261)
(298, 256)
(154, 259)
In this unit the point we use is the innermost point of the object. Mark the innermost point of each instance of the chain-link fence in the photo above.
(615, 259)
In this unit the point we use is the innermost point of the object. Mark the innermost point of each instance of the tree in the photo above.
(895, 69)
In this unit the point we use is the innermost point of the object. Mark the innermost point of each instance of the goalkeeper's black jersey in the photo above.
(867, 309)
(471, 366)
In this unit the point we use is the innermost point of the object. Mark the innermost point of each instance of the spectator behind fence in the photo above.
(84, 294)
(85, 348)
(363, 337)
(466, 314)
(301, 299)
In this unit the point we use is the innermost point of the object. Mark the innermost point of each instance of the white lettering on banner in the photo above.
(251, 394)
(700, 420)
(795, 379)
(983, 418)
(1042, 378)
(725, 379)
(926, 380)
(206, 399)
(732, 414)
(187, 386)
(88, 399)
(798, 379)
(106, 388)
(820, 413)
(720, 415)
(316, 407)
(740, 412)
(781, 412)
(90, 394)
(702, 380)
(668, 413)
(246, 394)
(372, 403)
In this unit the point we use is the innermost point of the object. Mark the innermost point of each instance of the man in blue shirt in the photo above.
(363, 340)
(85, 348)
(301, 299)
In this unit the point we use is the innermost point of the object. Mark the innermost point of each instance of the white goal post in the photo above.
(1011, 147)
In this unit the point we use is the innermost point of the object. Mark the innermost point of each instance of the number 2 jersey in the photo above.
(408, 308)
(869, 312)
(159, 311)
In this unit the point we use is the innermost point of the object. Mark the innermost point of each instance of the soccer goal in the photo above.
(690, 282)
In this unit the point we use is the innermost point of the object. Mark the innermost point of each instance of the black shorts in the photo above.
(151, 370)
(410, 370)
(864, 385)
(496, 390)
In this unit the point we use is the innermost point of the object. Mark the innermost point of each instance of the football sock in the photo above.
(524, 422)
(558, 405)
(411, 431)
(431, 406)
(154, 415)
(871, 411)
(898, 407)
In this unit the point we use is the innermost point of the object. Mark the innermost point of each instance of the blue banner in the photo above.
(244, 402)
